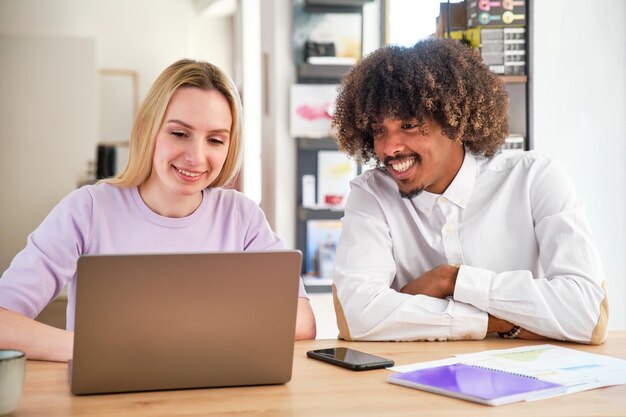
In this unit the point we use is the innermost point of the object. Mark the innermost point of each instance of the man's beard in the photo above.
(418, 160)
(410, 194)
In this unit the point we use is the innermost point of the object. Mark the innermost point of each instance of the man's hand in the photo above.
(498, 325)
(438, 282)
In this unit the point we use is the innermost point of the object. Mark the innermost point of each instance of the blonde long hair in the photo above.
(182, 73)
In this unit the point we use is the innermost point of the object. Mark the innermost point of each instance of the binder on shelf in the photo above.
(308, 190)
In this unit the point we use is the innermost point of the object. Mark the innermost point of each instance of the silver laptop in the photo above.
(157, 322)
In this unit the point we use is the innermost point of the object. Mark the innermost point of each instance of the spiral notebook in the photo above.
(478, 384)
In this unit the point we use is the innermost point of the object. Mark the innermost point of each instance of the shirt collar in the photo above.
(459, 190)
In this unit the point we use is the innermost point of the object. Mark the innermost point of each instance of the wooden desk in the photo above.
(320, 389)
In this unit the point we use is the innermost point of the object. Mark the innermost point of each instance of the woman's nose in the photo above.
(193, 152)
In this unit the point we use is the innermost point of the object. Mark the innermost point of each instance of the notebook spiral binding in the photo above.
(498, 370)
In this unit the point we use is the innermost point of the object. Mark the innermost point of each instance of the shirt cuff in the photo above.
(469, 323)
(472, 286)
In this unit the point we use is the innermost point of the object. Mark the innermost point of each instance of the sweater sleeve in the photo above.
(258, 233)
(47, 264)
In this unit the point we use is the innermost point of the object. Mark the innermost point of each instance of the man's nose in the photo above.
(393, 144)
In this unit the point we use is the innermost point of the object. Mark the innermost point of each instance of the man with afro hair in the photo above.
(447, 237)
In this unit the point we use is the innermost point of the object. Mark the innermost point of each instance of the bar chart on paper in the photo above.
(577, 370)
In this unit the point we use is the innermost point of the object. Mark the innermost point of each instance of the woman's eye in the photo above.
(217, 141)
(179, 134)
(377, 131)
(408, 126)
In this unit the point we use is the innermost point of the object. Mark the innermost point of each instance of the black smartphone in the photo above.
(350, 358)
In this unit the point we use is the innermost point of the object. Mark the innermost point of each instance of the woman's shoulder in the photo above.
(103, 192)
(230, 197)
(230, 205)
(101, 197)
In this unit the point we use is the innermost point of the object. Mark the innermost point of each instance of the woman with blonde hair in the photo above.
(185, 150)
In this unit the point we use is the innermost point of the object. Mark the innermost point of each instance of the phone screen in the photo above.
(350, 358)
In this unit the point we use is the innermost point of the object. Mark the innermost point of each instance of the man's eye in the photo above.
(408, 126)
(377, 131)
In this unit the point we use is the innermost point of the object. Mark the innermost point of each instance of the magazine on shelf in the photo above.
(311, 110)
(322, 237)
(334, 173)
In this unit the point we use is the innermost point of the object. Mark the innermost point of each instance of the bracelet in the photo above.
(511, 334)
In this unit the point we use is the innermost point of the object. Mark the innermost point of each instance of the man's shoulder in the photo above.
(509, 160)
(375, 179)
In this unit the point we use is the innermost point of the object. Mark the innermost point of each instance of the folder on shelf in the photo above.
(478, 384)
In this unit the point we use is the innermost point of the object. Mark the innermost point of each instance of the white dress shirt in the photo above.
(513, 224)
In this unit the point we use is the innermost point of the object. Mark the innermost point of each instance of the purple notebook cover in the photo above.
(473, 382)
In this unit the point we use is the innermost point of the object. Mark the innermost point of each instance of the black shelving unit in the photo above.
(308, 148)
(321, 74)
(334, 6)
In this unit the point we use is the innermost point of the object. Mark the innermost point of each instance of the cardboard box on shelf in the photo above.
(458, 18)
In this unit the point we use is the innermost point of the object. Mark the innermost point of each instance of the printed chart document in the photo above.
(571, 369)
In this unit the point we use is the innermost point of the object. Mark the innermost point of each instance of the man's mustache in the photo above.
(388, 160)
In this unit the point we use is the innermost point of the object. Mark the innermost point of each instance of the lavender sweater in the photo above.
(106, 219)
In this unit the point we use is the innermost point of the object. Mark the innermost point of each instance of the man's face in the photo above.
(417, 161)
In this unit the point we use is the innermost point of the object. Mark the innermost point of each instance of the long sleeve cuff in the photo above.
(472, 286)
(469, 323)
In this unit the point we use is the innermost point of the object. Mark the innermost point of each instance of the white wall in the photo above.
(141, 35)
(579, 117)
(248, 69)
(47, 129)
(279, 150)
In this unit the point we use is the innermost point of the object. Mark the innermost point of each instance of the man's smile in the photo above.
(404, 165)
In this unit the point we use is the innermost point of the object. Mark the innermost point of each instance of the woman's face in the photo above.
(191, 145)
